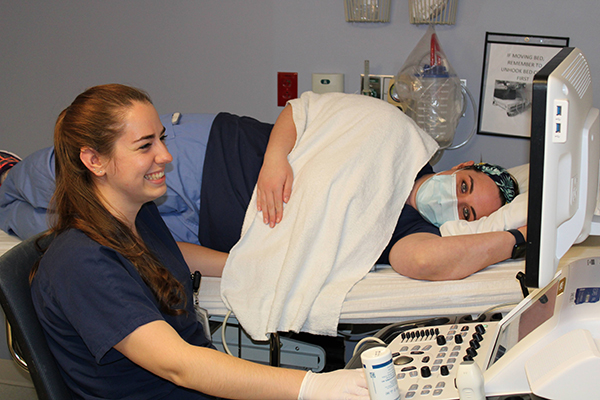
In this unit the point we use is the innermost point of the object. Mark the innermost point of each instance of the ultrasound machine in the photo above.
(548, 346)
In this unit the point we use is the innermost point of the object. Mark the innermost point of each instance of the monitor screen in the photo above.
(563, 167)
(517, 326)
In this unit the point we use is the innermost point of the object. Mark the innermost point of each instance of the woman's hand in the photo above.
(273, 188)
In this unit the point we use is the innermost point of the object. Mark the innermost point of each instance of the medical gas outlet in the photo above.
(378, 85)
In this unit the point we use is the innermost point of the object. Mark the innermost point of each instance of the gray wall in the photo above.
(223, 55)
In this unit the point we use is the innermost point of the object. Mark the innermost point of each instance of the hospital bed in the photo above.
(382, 297)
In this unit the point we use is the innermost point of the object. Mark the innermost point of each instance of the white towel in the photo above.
(354, 163)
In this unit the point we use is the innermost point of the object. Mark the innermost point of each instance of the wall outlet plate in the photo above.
(287, 87)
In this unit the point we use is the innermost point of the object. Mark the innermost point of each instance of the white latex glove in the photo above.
(343, 384)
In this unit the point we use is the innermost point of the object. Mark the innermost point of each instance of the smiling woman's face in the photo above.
(134, 175)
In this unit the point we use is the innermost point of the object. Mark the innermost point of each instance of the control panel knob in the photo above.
(474, 344)
(480, 329)
(444, 370)
(441, 340)
(425, 371)
(471, 352)
(458, 339)
(477, 336)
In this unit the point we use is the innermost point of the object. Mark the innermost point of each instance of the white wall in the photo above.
(223, 55)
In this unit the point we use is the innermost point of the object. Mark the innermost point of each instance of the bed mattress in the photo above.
(383, 296)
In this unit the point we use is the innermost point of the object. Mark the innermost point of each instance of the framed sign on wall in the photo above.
(509, 64)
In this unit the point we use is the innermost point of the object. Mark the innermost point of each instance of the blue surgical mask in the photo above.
(437, 200)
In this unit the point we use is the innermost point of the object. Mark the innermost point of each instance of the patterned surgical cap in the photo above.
(509, 188)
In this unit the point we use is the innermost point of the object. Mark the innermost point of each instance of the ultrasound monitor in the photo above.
(563, 168)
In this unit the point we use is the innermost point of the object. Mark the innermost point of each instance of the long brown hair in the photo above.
(95, 119)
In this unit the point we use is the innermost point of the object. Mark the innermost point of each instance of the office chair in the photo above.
(24, 331)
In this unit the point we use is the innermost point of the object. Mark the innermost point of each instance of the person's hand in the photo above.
(343, 384)
(273, 189)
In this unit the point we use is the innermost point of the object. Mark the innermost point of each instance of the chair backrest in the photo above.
(15, 298)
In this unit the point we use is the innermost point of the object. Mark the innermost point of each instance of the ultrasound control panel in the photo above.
(426, 359)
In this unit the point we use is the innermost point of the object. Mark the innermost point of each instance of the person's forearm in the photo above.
(207, 261)
(283, 135)
(235, 378)
(274, 184)
(430, 257)
(204, 369)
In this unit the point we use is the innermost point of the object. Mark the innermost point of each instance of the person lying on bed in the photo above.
(211, 183)
(113, 292)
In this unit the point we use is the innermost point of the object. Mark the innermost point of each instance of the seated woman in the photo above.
(218, 162)
(113, 292)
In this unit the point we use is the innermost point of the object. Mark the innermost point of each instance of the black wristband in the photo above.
(520, 248)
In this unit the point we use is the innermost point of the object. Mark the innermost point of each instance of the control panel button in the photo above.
(403, 360)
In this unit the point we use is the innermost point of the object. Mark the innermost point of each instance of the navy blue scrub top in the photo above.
(89, 297)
